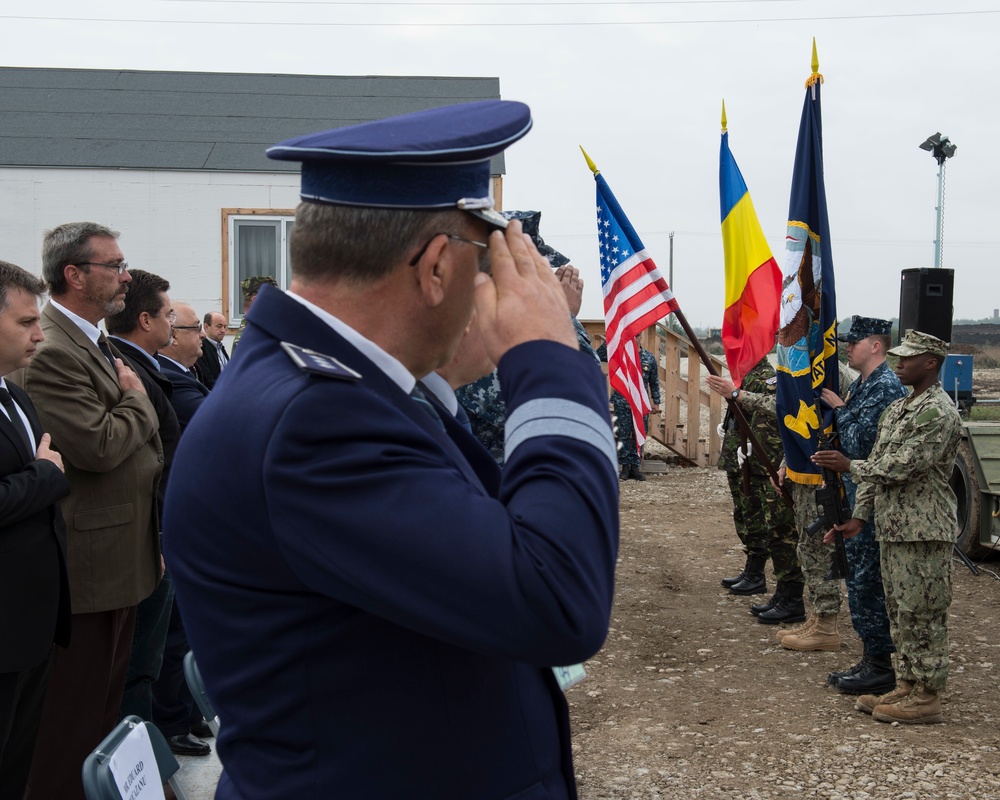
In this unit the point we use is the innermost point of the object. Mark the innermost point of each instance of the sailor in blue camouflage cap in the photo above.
(419, 605)
(863, 327)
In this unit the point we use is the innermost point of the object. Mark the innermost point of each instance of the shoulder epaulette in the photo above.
(319, 363)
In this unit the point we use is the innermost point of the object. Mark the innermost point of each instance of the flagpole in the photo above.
(735, 408)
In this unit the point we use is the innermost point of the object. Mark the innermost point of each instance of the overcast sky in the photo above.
(640, 85)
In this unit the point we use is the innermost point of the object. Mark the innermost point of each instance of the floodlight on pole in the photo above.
(942, 149)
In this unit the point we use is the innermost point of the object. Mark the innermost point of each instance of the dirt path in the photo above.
(692, 698)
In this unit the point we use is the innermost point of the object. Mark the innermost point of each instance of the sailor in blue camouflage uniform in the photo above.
(481, 399)
(905, 485)
(857, 427)
(628, 449)
(764, 522)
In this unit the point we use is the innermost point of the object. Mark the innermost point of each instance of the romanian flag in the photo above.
(753, 279)
(807, 339)
(636, 296)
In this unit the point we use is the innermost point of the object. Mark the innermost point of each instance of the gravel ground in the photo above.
(692, 698)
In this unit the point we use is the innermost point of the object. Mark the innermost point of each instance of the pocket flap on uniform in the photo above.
(96, 518)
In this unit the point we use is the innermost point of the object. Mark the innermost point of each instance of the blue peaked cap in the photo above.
(438, 158)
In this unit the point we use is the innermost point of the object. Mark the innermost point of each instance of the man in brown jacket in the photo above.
(101, 420)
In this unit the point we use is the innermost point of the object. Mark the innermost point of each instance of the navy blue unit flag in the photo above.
(807, 337)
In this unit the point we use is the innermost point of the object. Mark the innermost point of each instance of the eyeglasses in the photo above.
(187, 327)
(172, 317)
(484, 260)
(119, 268)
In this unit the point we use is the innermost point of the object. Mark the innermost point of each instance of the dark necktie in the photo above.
(102, 343)
(463, 419)
(15, 418)
(426, 406)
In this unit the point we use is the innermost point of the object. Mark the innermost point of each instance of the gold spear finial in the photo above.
(724, 115)
(815, 78)
(591, 164)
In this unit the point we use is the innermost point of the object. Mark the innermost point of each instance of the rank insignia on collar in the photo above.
(319, 363)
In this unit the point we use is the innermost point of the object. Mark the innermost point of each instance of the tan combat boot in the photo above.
(822, 636)
(868, 702)
(921, 707)
(805, 627)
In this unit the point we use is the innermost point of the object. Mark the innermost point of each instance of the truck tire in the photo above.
(965, 484)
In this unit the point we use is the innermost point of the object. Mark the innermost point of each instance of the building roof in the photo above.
(197, 120)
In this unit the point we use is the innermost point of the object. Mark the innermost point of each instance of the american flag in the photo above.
(636, 296)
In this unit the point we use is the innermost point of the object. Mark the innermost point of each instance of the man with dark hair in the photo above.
(376, 609)
(905, 485)
(213, 352)
(102, 421)
(34, 592)
(139, 331)
(857, 426)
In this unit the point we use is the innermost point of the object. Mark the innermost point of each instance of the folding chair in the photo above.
(193, 677)
(99, 782)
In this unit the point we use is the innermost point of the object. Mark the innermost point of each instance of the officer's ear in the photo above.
(428, 268)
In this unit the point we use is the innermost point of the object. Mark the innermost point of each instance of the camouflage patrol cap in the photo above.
(530, 221)
(251, 286)
(863, 327)
(914, 343)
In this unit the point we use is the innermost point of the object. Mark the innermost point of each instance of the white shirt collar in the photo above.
(390, 365)
(89, 329)
(178, 363)
(442, 391)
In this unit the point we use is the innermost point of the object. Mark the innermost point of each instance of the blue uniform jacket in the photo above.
(374, 608)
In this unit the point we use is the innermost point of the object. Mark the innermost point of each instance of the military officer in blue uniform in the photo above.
(376, 610)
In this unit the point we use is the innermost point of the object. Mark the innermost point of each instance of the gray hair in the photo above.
(359, 244)
(68, 244)
(13, 277)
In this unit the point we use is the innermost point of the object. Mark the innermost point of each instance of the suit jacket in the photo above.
(188, 392)
(34, 589)
(113, 458)
(158, 390)
(411, 599)
(209, 366)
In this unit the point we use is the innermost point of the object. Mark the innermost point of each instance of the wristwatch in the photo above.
(736, 394)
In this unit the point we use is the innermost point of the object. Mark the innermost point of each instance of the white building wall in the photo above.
(170, 221)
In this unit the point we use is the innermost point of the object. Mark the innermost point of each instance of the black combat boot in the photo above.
(834, 678)
(753, 581)
(779, 592)
(624, 474)
(789, 607)
(878, 678)
(727, 582)
(636, 473)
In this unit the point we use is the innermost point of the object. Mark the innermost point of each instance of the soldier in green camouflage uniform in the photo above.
(904, 484)
(814, 554)
(250, 287)
(764, 522)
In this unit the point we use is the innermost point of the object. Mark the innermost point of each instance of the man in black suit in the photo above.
(177, 360)
(34, 590)
(213, 352)
(140, 329)
(174, 709)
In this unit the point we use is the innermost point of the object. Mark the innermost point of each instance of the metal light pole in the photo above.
(942, 149)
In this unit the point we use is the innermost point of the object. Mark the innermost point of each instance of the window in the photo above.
(255, 242)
